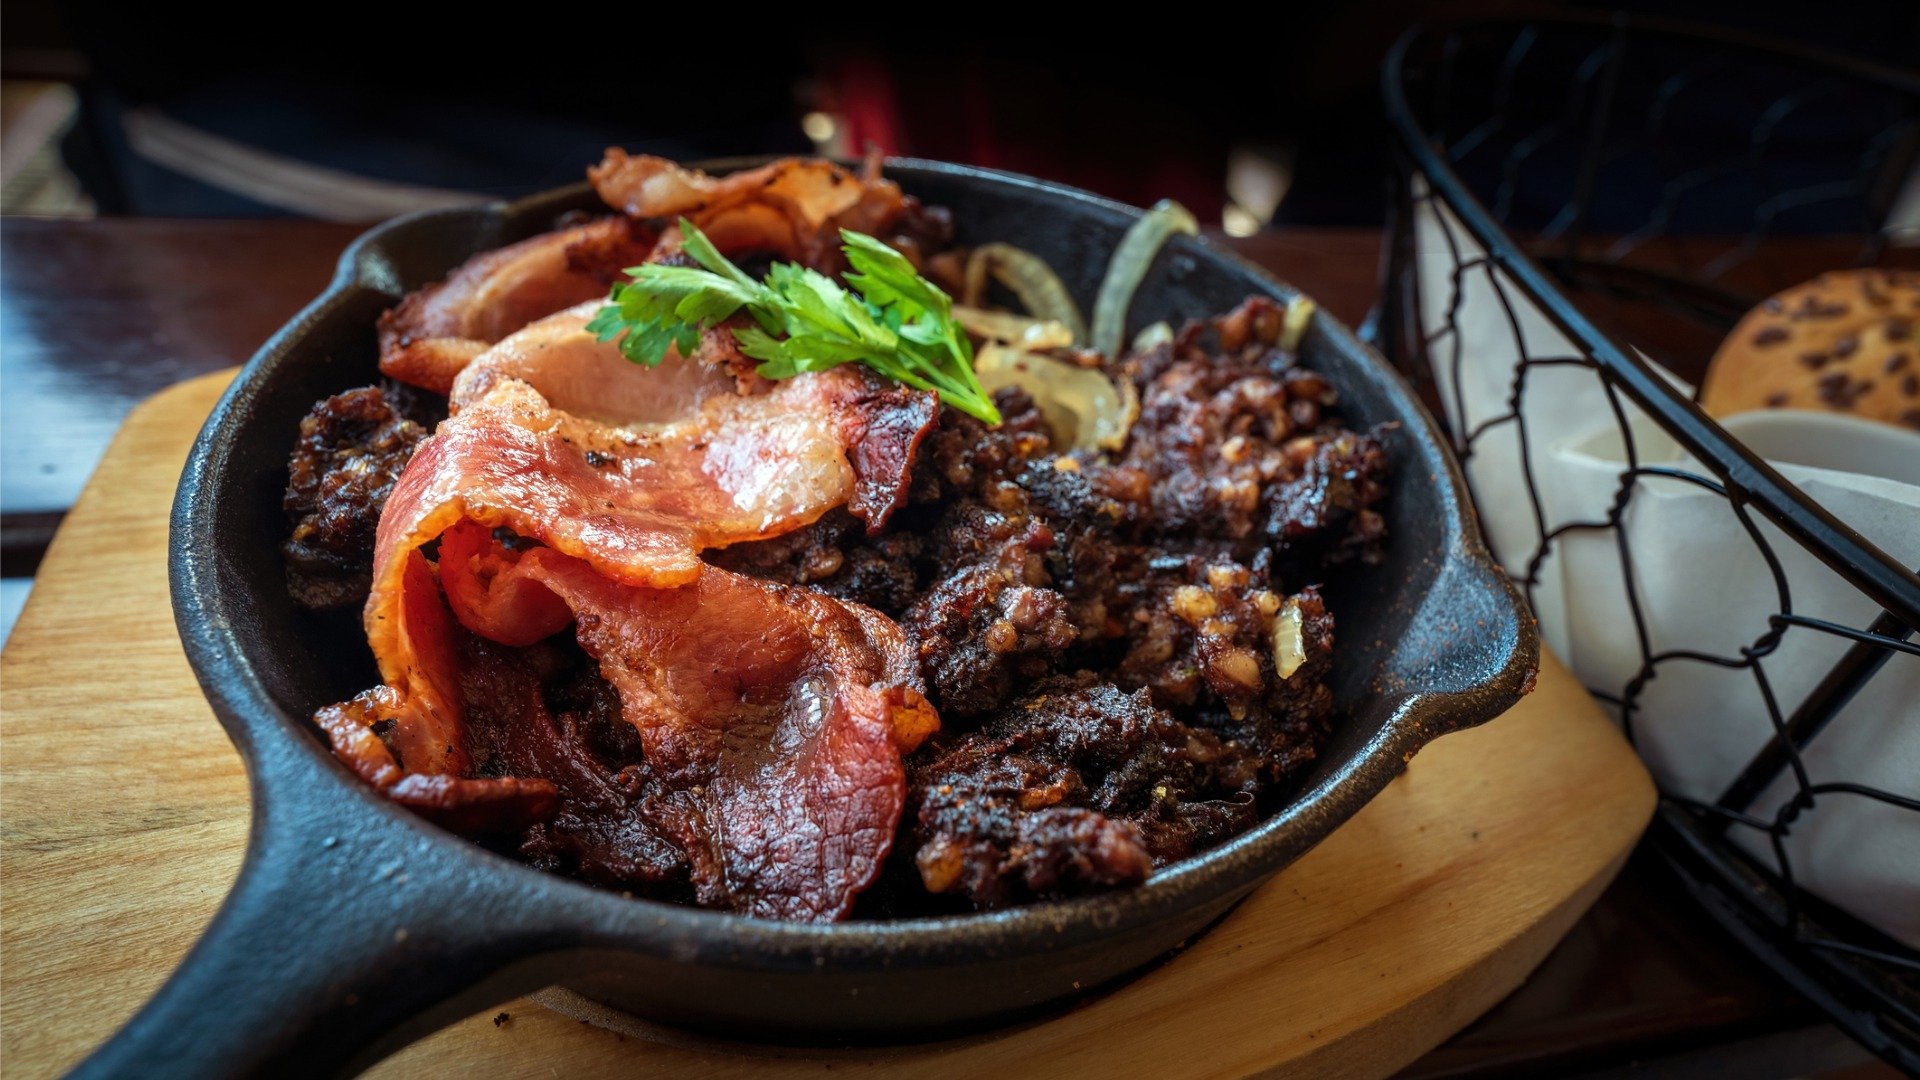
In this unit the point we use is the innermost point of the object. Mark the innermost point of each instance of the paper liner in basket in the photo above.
(1702, 580)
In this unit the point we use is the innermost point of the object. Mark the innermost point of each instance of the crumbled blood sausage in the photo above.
(1076, 785)
(1141, 591)
(351, 449)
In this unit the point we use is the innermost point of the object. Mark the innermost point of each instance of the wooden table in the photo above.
(98, 315)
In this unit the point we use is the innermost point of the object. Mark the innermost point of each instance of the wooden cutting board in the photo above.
(123, 815)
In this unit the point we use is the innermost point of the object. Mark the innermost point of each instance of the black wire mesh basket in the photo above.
(1595, 182)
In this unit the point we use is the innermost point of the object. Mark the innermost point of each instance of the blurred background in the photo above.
(358, 111)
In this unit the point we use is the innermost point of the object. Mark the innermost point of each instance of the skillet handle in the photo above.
(346, 937)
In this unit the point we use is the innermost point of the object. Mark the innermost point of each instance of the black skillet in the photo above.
(356, 927)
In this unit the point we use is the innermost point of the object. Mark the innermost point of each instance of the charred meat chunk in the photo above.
(1241, 445)
(545, 711)
(965, 458)
(1201, 634)
(1325, 512)
(1078, 786)
(836, 556)
(351, 449)
(994, 620)
(1288, 723)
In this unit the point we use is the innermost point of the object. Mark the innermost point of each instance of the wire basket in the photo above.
(1615, 179)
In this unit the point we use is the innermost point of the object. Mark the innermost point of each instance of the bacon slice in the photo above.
(880, 425)
(638, 505)
(435, 332)
(773, 718)
(591, 380)
(794, 206)
(779, 776)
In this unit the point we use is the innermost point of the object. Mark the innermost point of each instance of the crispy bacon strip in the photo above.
(507, 596)
(638, 505)
(775, 717)
(435, 332)
(794, 206)
(621, 514)
(413, 746)
(879, 425)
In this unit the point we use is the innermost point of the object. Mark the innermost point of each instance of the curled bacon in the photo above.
(638, 504)
(773, 720)
(412, 745)
(878, 426)
(773, 717)
(794, 206)
(435, 332)
(777, 768)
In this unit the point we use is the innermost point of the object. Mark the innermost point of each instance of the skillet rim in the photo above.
(278, 749)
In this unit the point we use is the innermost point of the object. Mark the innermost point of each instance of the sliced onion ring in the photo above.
(1029, 277)
(1129, 266)
(1010, 329)
(1289, 645)
(1160, 333)
(1082, 406)
(1293, 325)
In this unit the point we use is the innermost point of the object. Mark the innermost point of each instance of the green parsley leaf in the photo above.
(892, 320)
(695, 244)
(886, 278)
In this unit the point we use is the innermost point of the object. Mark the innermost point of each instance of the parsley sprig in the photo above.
(893, 320)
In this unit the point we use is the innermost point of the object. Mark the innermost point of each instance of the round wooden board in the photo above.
(125, 814)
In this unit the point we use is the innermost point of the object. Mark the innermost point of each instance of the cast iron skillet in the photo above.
(356, 927)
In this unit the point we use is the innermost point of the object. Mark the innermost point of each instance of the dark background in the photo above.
(1136, 103)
